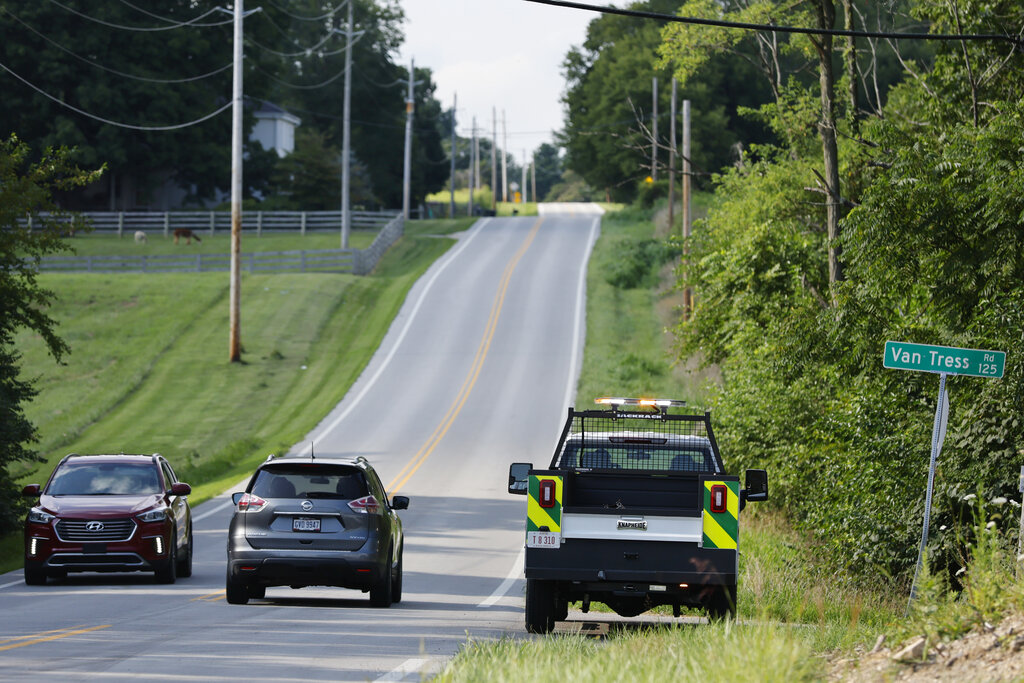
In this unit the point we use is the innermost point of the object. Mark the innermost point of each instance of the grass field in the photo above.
(104, 244)
(148, 370)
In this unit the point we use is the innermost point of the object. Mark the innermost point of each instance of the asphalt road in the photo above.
(476, 373)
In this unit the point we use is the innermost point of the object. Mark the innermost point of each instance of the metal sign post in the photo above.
(943, 360)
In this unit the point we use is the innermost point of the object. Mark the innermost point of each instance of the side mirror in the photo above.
(519, 477)
(757, 485)
(180, 489)
(237, 496)
(30, 490)
(400, 502)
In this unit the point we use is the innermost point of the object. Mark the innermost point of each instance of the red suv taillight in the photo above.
(719, 496)
(546, 493)
(364, 505)
(250, 503)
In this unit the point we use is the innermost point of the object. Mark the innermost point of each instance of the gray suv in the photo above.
(315, 522)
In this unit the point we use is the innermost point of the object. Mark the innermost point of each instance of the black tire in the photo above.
(167, 571)
(396, 582)
(185, 563)
(722, 605)
(540, 606)
(34, 576)
(237, 591)
(257, 592)
(380, 593)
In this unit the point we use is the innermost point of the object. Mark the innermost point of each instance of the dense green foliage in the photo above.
(26, 188)
(142, 67)
(609, 105)
(933, 251)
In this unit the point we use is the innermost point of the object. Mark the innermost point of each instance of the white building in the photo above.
(275, 128)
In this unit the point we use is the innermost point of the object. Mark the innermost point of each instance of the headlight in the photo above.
(39, 516)
(157, 515)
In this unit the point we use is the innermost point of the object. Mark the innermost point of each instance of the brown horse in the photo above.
(187, 234)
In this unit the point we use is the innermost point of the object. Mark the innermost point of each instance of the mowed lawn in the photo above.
(149, 371)
(109, 244)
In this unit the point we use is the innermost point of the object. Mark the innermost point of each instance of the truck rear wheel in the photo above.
(541, 607)
(722, 605)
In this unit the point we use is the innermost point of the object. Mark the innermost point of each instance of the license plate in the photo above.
(305, 524)
(543, 539)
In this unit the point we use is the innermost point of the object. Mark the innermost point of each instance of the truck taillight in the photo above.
(364, 505)
(250, 503)
(719, 496)
(546, 493)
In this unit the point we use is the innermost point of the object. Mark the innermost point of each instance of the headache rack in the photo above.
(639, 435)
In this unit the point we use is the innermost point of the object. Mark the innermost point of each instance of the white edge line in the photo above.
(8, 585)
(398, 342)
(402, 670)
(506, 585)
(577, 326)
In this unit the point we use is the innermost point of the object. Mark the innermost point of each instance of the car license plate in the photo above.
(542, 539)
(305, 524)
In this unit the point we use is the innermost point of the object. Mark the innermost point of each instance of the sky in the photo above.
(496, 53)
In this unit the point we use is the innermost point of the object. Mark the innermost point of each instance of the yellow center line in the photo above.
(36, 635)
(474, 371)
(215, 596)
(46, 638)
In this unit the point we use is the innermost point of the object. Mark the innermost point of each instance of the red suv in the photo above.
(109, 513)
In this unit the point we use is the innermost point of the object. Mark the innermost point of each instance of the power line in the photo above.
(190, 22)
(108, 69)
(157, 16)
(301, 53)
(108, 121)
(302, 18)
(302, 87)
(774, 28)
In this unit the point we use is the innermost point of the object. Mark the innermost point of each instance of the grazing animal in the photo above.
(140, 237)
(187, 234)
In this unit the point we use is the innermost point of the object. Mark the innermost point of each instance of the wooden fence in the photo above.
(356, 261)
(121, 222)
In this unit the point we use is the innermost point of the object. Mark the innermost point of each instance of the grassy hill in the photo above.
(148, 369)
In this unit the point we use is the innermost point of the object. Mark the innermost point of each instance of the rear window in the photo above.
(105, 478)
(310, 481)
(694, 456)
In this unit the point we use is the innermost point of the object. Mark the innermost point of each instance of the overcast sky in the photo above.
(496, 53)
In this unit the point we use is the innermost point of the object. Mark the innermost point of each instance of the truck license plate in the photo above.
(542, 539)
(305, 524)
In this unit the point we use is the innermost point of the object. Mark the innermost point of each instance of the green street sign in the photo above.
(944, 359)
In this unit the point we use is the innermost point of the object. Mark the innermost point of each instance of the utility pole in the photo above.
(687, 210)
(504, 158)
(407, 173)
(346, 136)
(494, 160)
(654, 131)
(525, 162)
(474, 170)
(451, 203)
(672, 161)
(234, 344)
(476, 155)
(533, 179)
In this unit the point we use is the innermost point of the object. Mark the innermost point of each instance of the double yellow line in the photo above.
(22, 641)
(474, 371)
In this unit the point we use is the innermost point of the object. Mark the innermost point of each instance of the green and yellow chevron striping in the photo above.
(536, 516)
(722, 529)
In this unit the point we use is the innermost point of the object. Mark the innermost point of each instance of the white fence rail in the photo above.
(356, 261)
(121, 222)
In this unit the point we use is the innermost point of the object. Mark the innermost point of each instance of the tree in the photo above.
(608, 104)
(547, 166)
(26, 188)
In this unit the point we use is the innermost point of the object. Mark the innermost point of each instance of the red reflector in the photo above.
(247, 569)
(363, 571)
(719, 495)
(546, 493)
